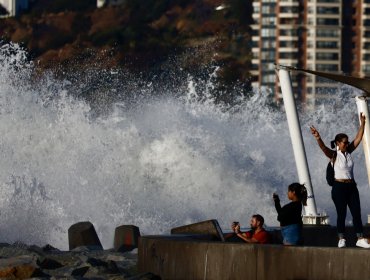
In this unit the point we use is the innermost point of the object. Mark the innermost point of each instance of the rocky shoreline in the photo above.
(20, 261)
(86, 258)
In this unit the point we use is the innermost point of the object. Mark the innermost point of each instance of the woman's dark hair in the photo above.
(339, 137)
(300, 191)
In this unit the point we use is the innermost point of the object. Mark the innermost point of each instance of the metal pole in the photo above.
(297, 140)
(362, 107)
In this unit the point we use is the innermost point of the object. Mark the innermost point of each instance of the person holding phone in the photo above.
(257, 234)
(290, 215)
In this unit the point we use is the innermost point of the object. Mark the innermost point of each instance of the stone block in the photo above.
(83, 234)
(126, 238)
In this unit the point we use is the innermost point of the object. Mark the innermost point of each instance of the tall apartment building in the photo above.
(300, 33)
(358, 11)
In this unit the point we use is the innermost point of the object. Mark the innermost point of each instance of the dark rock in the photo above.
(126, 238)
(21, 272)
(87, 248)
(80, 271)
(48, 263)
(112, 267)
(83, 234)
(36, 249)
(103, 264)
(48, 248)
(96, 262)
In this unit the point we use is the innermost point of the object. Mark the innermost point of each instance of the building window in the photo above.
(366, 68)
(288, 20)
(288, 44)
(333, 33)
(327, 10)
(268, 9)
(268, 55)
(366, 22)
(367, 33)
(367, 45)
(366, 57)
(330, 1)
(327, 21)
(326, 45)
(289, 10)
(268, 32)
(269, 20)
(255, 44)
(288, 32)
(268, 78)
(289, 55)
(327, 56)
(268, 44)
(326, 67)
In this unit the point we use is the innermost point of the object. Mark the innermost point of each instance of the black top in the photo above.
(289, 214)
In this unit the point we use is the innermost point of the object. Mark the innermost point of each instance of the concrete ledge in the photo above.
(182, 258)
(209, 227)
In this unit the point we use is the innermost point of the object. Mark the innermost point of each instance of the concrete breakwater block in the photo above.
(126, 238)
(209, 227)
(83, 234)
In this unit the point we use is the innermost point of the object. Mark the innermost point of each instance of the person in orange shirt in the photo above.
(257, 234)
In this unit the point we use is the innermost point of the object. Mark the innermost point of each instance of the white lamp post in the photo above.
(311, 216)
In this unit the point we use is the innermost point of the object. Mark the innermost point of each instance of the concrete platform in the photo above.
(190, 257)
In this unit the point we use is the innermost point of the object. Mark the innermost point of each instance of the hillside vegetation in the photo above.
(137, 34)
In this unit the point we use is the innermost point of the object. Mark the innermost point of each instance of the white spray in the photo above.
(162, 163)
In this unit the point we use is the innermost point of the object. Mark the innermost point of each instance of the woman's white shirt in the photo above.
(343, 166)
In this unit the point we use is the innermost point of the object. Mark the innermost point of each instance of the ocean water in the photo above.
(165, 157)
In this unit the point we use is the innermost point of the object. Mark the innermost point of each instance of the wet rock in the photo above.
(48, 263)
(96, 262)
(48, 248)
(80, 271)
(23, 271)
(55, 264)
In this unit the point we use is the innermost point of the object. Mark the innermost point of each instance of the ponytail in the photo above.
(332, 144)
(300, 191)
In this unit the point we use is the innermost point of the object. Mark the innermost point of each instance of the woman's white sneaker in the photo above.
(362, 243)
(342, 243)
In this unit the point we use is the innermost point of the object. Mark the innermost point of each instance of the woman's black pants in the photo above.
(344, 194)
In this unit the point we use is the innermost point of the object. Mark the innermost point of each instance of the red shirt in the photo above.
(262, 236)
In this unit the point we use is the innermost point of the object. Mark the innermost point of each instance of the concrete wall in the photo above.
(176, 257)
